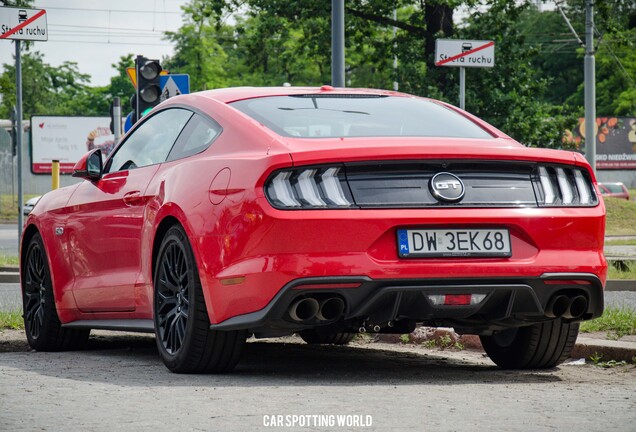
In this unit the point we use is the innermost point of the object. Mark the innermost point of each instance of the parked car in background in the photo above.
(28, 206)
(319, 211)
(615, 190)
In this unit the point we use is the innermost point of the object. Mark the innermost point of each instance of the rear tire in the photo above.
(539, 346)
(42, 326)
(182, 327)
(312, 337)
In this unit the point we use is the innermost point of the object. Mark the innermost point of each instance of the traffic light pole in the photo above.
(590, 87)
(18, 98)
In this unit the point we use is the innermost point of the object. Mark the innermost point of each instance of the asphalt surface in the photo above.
(8, 239)
(121, 385)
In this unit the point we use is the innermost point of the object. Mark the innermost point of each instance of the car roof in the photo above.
(233, 94)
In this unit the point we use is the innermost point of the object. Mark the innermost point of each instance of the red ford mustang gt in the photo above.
(319, 211)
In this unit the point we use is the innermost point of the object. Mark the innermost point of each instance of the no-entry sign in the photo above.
(464, 53)
(23, 24)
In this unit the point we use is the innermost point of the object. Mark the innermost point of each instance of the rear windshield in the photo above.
(330, 116)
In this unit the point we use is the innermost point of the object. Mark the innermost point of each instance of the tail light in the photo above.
(560, 186)
(309, 188)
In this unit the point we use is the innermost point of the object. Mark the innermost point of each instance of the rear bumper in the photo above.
(261, 251)
(395, 305)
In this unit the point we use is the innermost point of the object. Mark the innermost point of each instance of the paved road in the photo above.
(120, 385)
(8, 240)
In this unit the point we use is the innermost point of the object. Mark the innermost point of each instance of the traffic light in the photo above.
(148, 93)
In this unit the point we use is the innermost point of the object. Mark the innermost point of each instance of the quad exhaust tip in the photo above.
(308, 308)
(566, 307)
(304, 309)
(330, 309)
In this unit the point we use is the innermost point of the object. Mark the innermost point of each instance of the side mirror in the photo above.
(90, 166)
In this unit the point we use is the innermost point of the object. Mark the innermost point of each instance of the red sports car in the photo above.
(318, 211)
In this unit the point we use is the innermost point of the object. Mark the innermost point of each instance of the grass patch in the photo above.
(620, 269)
(9, 207)
(9, 261)
(617, 322)
(11, 320)
(621, 242)
(620, 217)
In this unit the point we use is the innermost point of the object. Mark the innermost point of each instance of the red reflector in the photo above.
(328, 285)
(457, 299)
(567, 282)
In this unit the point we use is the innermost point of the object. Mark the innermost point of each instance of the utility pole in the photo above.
(590, 86)
(337, 43)
(395, 60)
(18, 135)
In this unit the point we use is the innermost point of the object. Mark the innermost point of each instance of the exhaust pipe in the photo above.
(304, 309)
(330, 309)
(576, 308)
(557, 306)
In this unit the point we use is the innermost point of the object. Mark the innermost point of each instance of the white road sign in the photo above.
(67, 139)
(23, 24)
(464, 53)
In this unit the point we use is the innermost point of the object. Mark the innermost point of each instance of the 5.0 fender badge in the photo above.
(59, 231)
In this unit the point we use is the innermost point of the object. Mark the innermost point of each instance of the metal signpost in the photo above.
(21, 24)
(463, 54)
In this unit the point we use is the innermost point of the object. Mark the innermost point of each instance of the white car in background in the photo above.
(28, 206)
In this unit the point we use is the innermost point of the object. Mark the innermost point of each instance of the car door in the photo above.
(106, 217)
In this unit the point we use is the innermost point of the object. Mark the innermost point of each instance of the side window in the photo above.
(197, 136)
(151, 142)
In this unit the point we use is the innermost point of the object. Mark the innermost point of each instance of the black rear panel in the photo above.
(407, 184)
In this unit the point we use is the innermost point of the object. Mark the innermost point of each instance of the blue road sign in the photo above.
(173, 85)
(128, 123)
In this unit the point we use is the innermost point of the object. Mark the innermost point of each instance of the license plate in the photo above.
(415, 243)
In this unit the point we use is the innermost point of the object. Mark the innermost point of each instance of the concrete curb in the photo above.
(446, 338)
(607, 349)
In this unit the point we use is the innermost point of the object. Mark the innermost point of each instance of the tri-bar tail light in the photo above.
(563, 186)
(309, 188)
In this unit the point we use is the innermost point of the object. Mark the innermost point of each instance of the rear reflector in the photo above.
(456, 299)
(567, 282)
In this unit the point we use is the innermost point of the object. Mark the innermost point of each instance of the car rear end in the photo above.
(380, 234)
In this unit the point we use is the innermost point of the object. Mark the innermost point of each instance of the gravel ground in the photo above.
(121, 385)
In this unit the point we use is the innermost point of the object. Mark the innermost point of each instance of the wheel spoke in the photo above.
(172, 303)
(35, 286)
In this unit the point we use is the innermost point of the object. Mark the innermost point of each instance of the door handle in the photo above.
(132, 198)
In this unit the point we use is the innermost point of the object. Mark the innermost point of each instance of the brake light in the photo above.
(309, 188)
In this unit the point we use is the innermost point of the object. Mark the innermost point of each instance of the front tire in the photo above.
(182, 327)
(538, 346)
(42, 326)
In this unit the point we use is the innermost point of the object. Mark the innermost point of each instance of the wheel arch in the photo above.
(28, 234)
(163, 227)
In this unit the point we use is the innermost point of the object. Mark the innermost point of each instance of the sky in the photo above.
(95, 33)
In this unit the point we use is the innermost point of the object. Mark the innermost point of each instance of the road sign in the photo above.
(174, 85)
(23, 24)
(464, 53)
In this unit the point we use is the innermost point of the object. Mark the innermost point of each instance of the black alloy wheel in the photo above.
(41, 323)
(182, 326)
(34, 291)
(173, 287)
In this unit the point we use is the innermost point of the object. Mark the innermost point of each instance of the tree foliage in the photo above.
(534, 92)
